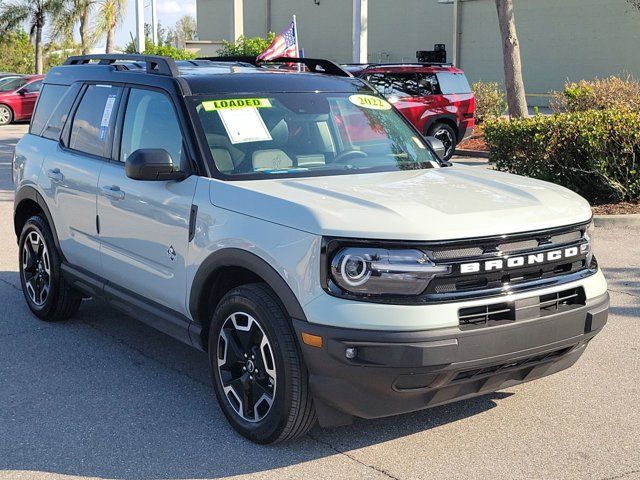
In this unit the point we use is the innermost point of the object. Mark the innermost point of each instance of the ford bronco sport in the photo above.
(294, 226)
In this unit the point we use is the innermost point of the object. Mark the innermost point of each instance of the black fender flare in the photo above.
(30, 193)
(235, 257)
(438, 119)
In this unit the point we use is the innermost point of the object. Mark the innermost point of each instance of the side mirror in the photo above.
(151, 164)
(22, 92)
(437, 146)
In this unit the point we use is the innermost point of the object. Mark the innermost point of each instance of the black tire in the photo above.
(61, 301)
(447, 135)
(291, 412)
(6, 115)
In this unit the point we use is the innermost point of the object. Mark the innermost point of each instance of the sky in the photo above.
(169, 11)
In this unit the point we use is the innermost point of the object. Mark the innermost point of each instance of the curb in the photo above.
(629, 220)
(471, 153)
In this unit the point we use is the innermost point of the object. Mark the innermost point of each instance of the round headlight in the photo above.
(354, 270)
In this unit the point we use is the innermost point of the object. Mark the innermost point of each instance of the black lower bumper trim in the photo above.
(399, 372)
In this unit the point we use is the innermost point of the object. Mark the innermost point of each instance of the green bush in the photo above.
(246, 47)
(594, 153)
(162, 50)
(598, 94)
(490, 102)
(16, 53)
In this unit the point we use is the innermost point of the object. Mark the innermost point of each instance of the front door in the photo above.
(144, 225)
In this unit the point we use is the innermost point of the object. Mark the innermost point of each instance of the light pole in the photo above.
(154, 23)
(360, 30)
(140, 26)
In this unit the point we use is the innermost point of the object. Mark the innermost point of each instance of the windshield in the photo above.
(13, 84)
(308, 134)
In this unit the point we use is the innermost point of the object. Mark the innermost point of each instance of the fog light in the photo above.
(351, 353)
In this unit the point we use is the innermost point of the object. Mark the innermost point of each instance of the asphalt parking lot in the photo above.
(103, 395)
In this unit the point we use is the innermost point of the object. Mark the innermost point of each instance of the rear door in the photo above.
(144, 225)
(70, 172)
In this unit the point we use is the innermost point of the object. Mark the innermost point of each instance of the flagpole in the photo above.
(295, 29)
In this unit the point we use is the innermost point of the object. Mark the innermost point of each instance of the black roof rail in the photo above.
(155, 64)
(315, 65)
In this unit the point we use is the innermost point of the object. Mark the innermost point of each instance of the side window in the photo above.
(34, 87)
(395, 85)
(150, 122)
(94, 120)
(49, 98)
(428, 84)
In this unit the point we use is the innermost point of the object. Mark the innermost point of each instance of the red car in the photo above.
(436, 98)
(18, 98)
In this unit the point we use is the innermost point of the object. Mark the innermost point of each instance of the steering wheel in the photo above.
(341, 158)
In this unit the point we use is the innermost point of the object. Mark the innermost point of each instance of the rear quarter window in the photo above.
(451, 83)
(50, 97)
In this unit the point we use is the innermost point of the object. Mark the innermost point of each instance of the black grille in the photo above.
(460, 284)
(522, 363)
(524, 309)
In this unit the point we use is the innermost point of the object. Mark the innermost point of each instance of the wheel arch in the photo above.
(29, 202)
(226, 269)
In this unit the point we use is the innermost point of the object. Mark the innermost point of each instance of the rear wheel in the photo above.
(47, 293)
(6, 115)
(258, 373)
(447, 136)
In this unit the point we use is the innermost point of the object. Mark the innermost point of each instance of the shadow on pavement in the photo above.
(104, 395)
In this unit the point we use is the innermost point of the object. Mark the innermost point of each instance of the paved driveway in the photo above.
(105, 396)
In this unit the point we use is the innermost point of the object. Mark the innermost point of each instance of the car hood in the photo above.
(435, 204)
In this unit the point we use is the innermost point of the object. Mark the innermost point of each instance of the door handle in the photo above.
(55, 175)
(113, 192)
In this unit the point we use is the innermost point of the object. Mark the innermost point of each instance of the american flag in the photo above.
(284, 45)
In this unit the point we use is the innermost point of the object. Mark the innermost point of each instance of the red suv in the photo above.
(436, 98)
(18, 98)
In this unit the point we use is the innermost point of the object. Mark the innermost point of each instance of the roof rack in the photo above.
(315, 65)
(155, 64)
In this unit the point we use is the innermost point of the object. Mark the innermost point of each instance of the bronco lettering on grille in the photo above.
(523, 260)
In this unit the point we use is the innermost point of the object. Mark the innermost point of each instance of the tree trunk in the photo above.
(511, 56)
(39, 66)
(84, 29)
(111, 40)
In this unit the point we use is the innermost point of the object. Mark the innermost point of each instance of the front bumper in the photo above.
(399, 372)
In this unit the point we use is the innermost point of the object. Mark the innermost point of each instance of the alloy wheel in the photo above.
(5, 115)
(36, 268)
(445, 137)
(246, 367)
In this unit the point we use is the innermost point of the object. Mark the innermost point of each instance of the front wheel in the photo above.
(447, 136)
(6, 115)
(258, 373)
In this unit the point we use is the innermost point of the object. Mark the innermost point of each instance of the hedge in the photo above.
(594, 153)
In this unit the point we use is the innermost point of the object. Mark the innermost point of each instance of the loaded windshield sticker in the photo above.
(370, 102)
(244, 125)
(106, 116)
(213, 105)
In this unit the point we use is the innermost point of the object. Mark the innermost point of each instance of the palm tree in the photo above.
(110, 16)
(34, 12)
(76, 12)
